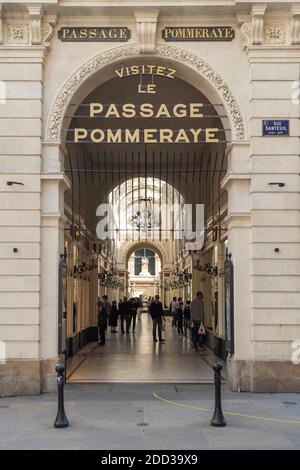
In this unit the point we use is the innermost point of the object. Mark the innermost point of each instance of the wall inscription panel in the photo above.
(94, 34)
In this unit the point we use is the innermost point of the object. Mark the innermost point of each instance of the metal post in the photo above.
(61, 420)
(218, 418)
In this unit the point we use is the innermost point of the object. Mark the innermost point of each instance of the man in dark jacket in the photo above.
(124, 315)
(157, 312)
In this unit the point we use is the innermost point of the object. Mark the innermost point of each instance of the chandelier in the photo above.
(180, 278)
(109, 278)
(144, 218)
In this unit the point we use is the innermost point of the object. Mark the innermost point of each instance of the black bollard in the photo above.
(61, 420)
(218, 418)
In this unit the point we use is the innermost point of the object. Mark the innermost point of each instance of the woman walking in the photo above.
(187, 316)
(113, 317)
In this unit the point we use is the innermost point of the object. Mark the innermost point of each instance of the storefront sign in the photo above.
(273, 128)
(93, 34)
(198, 33)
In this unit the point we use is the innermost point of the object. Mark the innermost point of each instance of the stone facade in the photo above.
(254, 77)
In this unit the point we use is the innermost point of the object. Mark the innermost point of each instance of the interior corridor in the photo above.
(134, 357)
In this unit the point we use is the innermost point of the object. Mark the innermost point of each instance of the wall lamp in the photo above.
(277, 184)
(10, 183)
(208, 268)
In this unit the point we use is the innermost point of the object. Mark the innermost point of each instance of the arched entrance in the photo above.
(193, 163)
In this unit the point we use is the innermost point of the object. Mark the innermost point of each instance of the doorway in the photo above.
(130, 198)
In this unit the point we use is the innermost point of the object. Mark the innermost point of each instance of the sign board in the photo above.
(229, 305)
(198, 33)
(275, 128)
(62, 304)
(94, 34)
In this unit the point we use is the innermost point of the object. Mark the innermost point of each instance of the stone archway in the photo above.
(181, 57)
(130, 247)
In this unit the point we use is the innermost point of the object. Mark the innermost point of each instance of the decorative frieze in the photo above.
(180, 55)
(17, 33)
(275, 33)
(146, 25)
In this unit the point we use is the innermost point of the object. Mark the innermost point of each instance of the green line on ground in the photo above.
(229, 413)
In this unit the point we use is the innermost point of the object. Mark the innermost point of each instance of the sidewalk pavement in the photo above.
(121, 416)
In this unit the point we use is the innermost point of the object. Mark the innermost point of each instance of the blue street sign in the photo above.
(279, 127)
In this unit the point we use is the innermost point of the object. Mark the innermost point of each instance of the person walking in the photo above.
(157, 313)
(124, 314)
(173, 306)
(179, 316)
(113, 317)
(197, 317)
(134, 305)
(140, 307)
(187, 316)
(101, 323)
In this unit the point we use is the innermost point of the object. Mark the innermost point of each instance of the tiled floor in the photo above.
(135, 358)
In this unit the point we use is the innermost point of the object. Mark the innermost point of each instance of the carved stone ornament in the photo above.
(35, 12)
(116, 54)
(275, 34)
(146, 24)
(246, 30)
(49, 23)
(17, 33)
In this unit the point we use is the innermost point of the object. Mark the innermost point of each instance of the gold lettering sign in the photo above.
(198, 33)
(151, 135)
(146, 70)
(94, 34)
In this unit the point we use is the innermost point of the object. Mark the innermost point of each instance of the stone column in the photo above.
(54, 184)
(21, 70)
(275, 240)
(237, 184)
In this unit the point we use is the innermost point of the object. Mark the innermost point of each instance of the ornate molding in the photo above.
(146, 25)
(17, 33)
(246, 30)
(275, 33)
(49, 23)
(101, 60)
